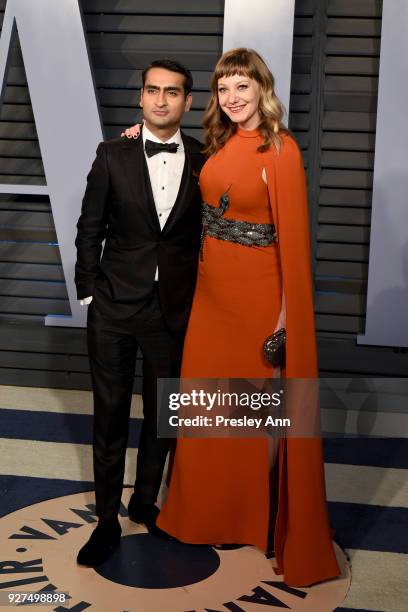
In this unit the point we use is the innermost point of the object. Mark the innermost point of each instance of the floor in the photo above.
(46, 509)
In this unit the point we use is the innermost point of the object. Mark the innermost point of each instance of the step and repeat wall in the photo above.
(333, 105)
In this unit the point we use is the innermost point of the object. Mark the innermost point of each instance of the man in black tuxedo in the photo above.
(143, 199)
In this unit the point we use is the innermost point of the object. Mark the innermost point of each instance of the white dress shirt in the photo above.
(165, 171)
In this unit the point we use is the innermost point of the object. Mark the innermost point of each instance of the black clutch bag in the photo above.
(274, 348)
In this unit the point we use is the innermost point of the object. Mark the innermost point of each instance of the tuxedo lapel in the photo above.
(137, 174)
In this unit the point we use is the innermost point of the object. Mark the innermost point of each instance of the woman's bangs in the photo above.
(231, 68)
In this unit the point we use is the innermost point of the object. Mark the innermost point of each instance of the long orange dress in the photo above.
(219, 490)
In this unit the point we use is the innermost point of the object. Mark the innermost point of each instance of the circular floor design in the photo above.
(39, 545)
(146, 562)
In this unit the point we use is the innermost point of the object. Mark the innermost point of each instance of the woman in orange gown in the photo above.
(219, 489)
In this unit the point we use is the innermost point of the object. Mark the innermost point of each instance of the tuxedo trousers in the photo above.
(112, 348)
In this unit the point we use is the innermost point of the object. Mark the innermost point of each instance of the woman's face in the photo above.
(239, 97)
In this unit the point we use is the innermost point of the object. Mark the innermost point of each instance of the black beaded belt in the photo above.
(241, 232)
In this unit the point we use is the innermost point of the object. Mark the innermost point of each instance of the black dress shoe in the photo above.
(142, 513)
(103, 541)
(146, 514)
(155, 531)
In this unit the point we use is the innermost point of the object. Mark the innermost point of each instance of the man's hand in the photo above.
(86, 301)
(132, 132)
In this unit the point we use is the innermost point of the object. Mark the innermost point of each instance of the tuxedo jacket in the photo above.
(119, 207)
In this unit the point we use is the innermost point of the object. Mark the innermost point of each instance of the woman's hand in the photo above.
(132, 132)
(281, 323)
(282, 315)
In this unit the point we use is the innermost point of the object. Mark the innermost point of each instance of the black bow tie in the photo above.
(152, 148)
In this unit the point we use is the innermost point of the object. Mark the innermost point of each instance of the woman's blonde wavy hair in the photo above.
(218, 128)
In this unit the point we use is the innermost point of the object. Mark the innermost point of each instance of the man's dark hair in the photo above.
(173, 66)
